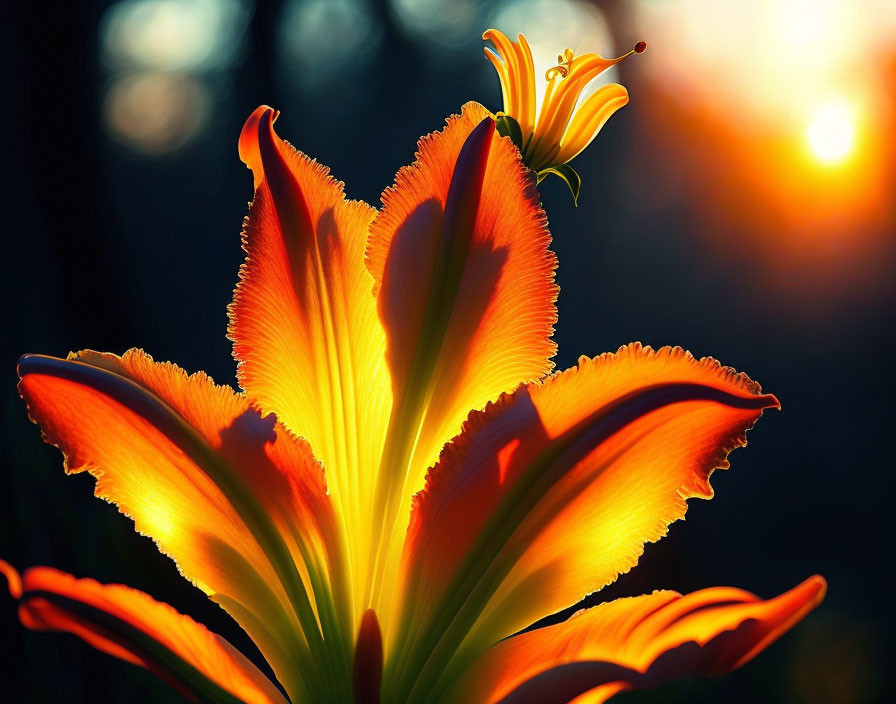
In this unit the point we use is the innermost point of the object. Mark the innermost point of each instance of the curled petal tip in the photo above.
(771, 401)
(13, 579)
(30, 363)
(44, 364)
(262, 118)
(254, 120)
(817, 585)
(22, 364)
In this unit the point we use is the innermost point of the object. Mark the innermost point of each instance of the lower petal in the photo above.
(553, 491)
(234, 498)
(131, 625)
(635, 643)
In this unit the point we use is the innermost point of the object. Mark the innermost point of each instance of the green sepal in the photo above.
(506, 126)
(569, 175)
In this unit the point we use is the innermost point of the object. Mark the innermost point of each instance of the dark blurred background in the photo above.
(741, 206)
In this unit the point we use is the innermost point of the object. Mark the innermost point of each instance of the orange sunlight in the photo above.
(782, 112)
(831, 133)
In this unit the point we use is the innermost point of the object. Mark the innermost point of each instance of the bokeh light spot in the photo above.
(442, 24)
(163, 58)
(156, 113)
(173, 35)
(831, 133)
(321, 38)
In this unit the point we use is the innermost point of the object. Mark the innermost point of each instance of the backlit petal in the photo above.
(503, 75)
(237, 501)
(511, 70)
(635, 643)
(466, 293)
(131, 625)
(516, 72)
(526, 84)
(305, 325)
(560, 99)
(552, 492)
(588, 120)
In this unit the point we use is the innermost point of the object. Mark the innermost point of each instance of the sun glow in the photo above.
(786, 106)
(831, 133)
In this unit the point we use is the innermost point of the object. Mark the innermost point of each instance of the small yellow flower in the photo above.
(563, 126)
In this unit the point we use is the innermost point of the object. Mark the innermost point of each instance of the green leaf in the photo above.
(508, 127)
(569, 176)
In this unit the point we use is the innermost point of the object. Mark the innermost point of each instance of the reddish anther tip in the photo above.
(640, 47)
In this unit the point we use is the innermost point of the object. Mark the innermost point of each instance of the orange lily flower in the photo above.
(556, 131)
(377, 540)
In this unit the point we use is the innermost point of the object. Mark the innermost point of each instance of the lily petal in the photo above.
(304, 323)
(552, 492)
(232, 497)
(131, 625)
(637, 642)
(590, 118)
(560, 99)
(512, 72)
(466, 292)
(513, 61)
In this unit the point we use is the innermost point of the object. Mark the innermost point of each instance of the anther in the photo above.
(638, 48)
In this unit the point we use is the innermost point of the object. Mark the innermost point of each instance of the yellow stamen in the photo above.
(562, 68)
